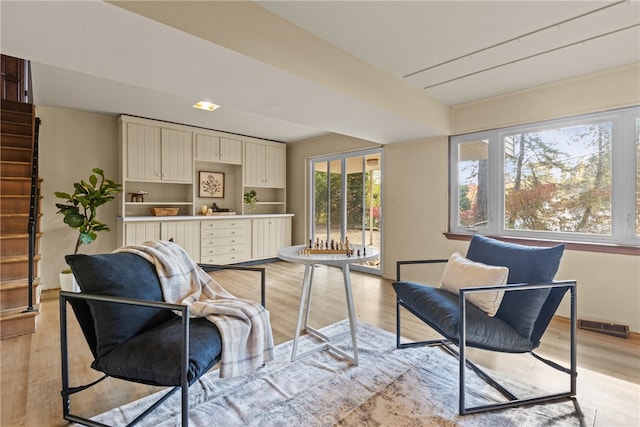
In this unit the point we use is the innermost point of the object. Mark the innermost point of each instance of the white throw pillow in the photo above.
(461, 272)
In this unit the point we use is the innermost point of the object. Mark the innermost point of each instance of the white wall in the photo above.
(71, 145)
(603, 91)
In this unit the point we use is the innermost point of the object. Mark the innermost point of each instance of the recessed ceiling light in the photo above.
(204, 105)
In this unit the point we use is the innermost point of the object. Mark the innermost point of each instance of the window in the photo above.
(575, 179)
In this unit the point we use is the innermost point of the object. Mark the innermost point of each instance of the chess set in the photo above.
(321, 247)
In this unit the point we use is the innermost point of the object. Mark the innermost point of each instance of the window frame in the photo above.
(623, 180)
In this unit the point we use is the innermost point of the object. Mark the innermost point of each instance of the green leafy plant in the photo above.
(81, 207)
(250, 198)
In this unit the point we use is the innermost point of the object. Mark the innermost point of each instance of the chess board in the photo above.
(327, 251)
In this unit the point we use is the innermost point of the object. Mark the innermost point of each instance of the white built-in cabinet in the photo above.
(177, 156)
(265, 172)
(269, 235)
(184, 233)
(158, 154)
(265, 165)
(139, 232)
(225, 241)
(213, 148)
(164, 160)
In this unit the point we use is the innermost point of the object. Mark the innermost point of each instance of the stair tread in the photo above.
(19, 312)
(9, 105)
(13, 215)
(19, 196)
(14, 162)
(19, 179)
(11, 147)
(17, 235)
(12, 109)
(15, 134)
(16, 113)
(24, 134)
(17, 258)
(18, 283)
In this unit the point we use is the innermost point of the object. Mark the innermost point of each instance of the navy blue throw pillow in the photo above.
(527, 264)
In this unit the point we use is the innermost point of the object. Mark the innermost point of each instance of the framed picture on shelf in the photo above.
(211, 184)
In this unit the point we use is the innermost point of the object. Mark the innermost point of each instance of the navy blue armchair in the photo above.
(529, 302)
(132, 333)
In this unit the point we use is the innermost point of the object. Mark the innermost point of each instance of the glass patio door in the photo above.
(347, 201)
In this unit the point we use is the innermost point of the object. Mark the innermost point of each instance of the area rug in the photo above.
(389, 387)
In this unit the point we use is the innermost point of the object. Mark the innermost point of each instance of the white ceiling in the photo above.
(403, 37)
(356, 76)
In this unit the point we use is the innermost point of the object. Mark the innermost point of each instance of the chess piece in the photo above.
(310, 247)
(358, 252)
(333, 244)
(364, 250)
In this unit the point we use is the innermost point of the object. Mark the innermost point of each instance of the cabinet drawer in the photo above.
(227, 232)
(221, 250)
(224, 241)
(225, 258)
(225, 224)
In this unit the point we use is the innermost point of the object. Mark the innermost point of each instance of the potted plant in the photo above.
(80, 212)
(250, 198)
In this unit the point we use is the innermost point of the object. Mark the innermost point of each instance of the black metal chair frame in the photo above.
(67, 390)
(461, 354)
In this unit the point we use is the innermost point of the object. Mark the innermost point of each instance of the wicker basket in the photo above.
(164, 211)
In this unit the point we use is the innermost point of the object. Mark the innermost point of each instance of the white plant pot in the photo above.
(68, 283)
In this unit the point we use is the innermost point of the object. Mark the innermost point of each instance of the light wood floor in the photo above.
(608, 380)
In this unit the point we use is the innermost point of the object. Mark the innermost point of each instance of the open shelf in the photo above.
(158, 203)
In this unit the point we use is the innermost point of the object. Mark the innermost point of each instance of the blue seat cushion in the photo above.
(154, 357)
(527, 264)
(122, 275)
(440, 310)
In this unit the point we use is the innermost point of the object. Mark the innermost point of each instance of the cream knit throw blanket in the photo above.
(247, 342)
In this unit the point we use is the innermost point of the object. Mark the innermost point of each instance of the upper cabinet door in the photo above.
(158, 154)
(177, 156)
(207, 148)
(143, 152)
(275, 166)
(264, 165)
(230, 151)
(211, 148)
(254, 164)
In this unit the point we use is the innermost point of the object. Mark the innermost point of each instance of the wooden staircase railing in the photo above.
(34, 210)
